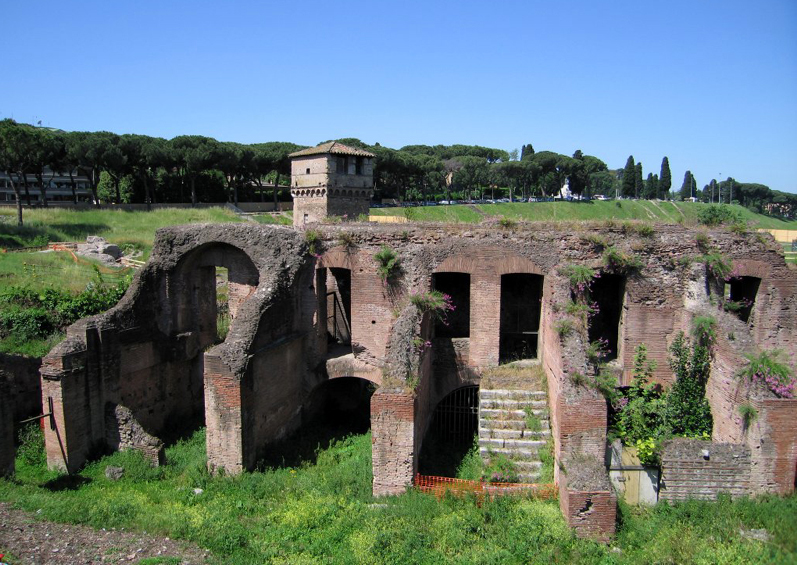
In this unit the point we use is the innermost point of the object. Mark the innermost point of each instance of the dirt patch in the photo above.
(27, 540)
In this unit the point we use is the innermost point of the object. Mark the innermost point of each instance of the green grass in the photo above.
(125, 229)
(643, 210)
(320, 510)
(59, 269)
(282, 219)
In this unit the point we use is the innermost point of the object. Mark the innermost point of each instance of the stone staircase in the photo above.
(514, 423)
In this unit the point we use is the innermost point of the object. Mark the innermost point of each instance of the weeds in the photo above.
(388, 264)
(314, 240)
(618, 262)
(748, 413)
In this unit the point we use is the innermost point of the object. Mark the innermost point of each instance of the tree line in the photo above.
(194, 168)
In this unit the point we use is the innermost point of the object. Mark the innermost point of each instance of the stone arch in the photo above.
(194, 304)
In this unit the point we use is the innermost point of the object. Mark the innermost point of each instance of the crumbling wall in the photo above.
(7, 450)
(23, 397)
(586, 497)
(693, 468)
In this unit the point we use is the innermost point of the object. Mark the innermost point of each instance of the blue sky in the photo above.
(710, 84)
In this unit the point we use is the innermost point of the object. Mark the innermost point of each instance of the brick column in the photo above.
(485, 319)
(393, 441)
(6, 433)
(223, 417)
(65, 381)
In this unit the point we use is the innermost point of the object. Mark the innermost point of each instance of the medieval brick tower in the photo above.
(331, 179)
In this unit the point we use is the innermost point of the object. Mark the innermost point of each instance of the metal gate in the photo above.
(456, 418)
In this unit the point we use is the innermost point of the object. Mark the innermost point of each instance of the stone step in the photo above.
(512, 394)
(521, 444)
(513, 453)
(501, 424)
(490, 403)
(488, 432)
(528, 477)
(510, 415)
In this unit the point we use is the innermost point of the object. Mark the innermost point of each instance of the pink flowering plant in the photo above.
(767, 369)
(437, 303)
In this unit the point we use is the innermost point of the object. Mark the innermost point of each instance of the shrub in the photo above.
(346, 239)
(580, 277)
(688, 413)
(648, 451)
(619, 262)
(766, 368)
(507, 223)
(434, 302)
(748, 413)
(703, 243)
(717, 214)
(564, 328)
(389, 264)
(718, 265)
(639, 414)
(31, 445)
(314, 240)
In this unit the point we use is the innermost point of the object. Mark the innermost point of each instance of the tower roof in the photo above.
(334, 148)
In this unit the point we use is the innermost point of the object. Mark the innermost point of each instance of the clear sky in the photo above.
(710, 84)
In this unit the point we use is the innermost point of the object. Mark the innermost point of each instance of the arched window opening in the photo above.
(521, 304)
(740, 296)
(338, 300)
(607, 293)
(457, 286)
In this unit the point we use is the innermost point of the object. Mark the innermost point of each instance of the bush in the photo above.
(580, 277)
(717, 214)
(434, 302)
(314, 240)
(718, 265)
(619, 262)
(389, 264)
(766, 368)
(688, 413)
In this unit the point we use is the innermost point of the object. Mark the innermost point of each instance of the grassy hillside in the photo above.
(645, 210)
(125, 229)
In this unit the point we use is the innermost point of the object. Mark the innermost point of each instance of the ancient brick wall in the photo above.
(24, 394)
(393, 441)
(7, 450)
(702, 469)
(586, 498)
(223, 417)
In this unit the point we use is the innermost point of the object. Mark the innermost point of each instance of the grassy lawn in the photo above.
(318, 508)
(644, 210)
(125, 229)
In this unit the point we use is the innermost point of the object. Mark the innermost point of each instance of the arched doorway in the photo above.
(453, 428)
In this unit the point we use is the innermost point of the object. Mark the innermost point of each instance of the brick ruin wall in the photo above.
(148, 353)
(703, 469)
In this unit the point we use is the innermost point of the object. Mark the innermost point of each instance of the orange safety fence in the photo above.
(439, 486)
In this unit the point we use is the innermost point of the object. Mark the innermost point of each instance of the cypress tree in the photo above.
(651, 187)
(686, 187)
(639, 184)
(665, 180)
(629, 176)
(526, 152)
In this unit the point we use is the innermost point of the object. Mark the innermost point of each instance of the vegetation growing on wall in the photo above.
(645, 415)
(768, 370)
(388, 264)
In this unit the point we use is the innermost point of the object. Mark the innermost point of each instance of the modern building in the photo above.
(330, 179)
(58, 187)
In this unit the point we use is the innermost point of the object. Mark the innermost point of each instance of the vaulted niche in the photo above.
(342, 405)
(455, 423)
(338, 298)
(606, 294)
(457, 286)
(740, 294)
(521, 301)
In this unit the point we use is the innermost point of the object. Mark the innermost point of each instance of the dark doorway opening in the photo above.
(457, 286)
(338, 297)
(606, 293)
(521, 304)
(334, 410)
(455, 423)
(741, 293)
